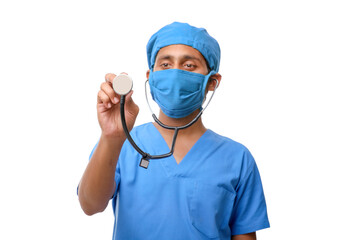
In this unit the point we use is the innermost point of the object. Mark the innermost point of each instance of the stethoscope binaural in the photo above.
(122, 85)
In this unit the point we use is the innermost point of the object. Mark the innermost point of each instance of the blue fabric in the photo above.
(214, 192)
(177, 92)
(183, 33)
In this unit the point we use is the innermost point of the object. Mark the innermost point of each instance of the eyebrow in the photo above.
(187, 57)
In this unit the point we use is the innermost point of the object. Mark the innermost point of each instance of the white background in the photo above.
(290, 93)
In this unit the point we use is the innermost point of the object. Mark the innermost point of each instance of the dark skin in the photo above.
(97, 184)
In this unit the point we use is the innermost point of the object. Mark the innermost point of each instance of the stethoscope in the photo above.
(122, 85)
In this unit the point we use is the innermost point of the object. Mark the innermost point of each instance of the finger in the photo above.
(128, 98)
(109, 77)
(104, 99)
(109, 91)
(130, 106)
(129, 103)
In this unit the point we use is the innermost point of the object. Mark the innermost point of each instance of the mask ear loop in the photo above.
(212, 95)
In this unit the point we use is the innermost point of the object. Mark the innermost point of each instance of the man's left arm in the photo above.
(248, 236)
(249, 213)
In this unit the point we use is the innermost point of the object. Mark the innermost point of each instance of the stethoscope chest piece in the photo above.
(122, 84)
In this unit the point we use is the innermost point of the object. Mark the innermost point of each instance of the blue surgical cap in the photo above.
(183, 33)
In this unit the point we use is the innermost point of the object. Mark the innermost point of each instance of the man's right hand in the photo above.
(97, 184)
(108, 109)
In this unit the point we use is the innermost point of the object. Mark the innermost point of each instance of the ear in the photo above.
(147, 74)
(212, 83)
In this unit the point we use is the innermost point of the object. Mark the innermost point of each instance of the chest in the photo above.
(181, 148)
(183, 145)
(176, 201)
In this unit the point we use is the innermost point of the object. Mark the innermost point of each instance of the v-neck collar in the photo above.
(170, 165)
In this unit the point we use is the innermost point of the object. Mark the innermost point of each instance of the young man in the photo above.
(210, 187)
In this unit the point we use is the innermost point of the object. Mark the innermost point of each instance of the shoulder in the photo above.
(142, 127)
(142, 130)
(229, 144)
(234, 153)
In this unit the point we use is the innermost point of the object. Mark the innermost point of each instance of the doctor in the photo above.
(210, 188)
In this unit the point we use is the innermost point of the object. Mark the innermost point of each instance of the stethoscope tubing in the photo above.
(145, 155)
(132, 142)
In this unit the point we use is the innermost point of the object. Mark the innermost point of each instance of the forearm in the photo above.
(248, 236)
(98, 182)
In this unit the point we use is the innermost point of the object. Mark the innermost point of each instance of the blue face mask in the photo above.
(177, 92)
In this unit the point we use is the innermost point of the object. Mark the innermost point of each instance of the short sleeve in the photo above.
(117, 179)
(250, 212)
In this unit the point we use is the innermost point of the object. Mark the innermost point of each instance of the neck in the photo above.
(197, 128)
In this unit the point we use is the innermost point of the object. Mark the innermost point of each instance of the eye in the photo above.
(189, 66)
(164, 65)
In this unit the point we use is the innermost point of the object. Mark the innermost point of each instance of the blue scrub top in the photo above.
(213, 193)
